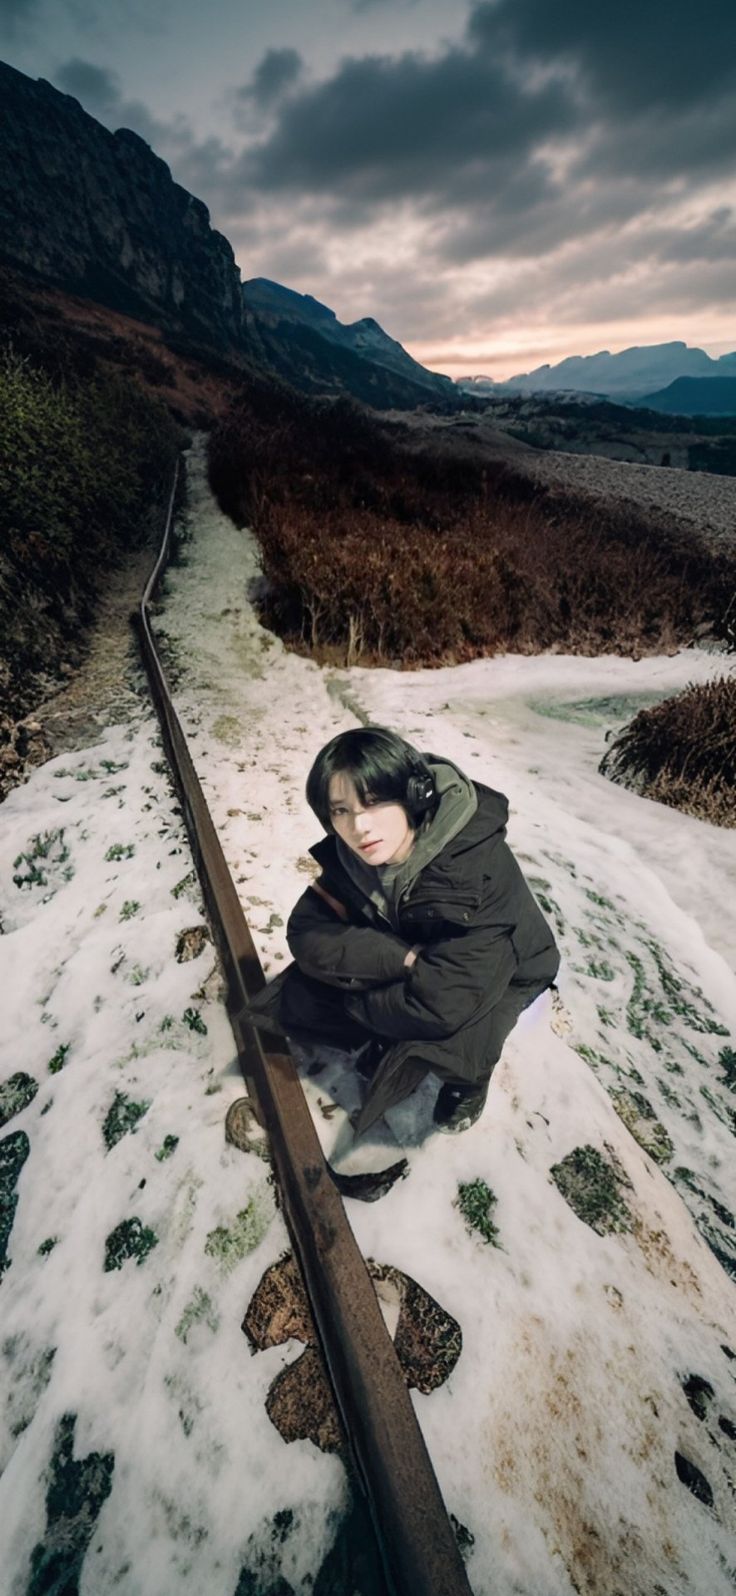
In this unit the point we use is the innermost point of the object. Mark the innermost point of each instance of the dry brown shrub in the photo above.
(415, 558)
(682, 752)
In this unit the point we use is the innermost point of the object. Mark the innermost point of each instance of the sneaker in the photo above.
(458, 1107)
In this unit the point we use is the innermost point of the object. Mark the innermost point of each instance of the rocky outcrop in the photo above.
(98, 213)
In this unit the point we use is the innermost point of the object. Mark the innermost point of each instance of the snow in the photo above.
(554, 1438)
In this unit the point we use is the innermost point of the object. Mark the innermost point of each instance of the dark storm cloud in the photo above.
(98, 91)
(640, 88)
(16, 15)
(277, 71)
(96, 88)
(632, 55)
(407, 127)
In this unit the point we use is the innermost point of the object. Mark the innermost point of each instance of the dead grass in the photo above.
(682, 752)
(386, 555)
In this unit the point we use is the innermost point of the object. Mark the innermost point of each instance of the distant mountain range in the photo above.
(635, 375)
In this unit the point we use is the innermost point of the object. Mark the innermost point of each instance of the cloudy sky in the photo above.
(498, 182)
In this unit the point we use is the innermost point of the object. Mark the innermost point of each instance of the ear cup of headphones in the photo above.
(420, 794)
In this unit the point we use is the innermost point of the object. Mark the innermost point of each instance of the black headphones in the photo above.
(420, 794)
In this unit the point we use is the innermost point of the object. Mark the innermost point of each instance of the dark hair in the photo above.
(380, 765)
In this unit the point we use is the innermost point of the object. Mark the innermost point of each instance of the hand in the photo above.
(411, 957)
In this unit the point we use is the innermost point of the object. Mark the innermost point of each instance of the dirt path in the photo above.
(104, 691)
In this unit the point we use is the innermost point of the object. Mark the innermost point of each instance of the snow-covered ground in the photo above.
(586, 1438)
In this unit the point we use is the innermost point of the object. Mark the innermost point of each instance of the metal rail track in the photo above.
(415, 1538)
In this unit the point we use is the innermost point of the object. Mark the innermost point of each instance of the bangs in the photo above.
(376, 760)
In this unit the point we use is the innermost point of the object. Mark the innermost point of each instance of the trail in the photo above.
(596, 1331)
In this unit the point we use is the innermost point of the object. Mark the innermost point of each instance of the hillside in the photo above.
(368, 364)
(696, 396)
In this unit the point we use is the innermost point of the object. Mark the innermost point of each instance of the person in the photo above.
(420, 942)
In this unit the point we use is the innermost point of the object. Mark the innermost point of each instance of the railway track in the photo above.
(415, 1538)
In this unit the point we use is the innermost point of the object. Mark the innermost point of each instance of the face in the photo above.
(378, 832)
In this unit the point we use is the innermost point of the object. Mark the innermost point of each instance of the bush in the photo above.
(84, 463)
(387, 553)
(682, 752)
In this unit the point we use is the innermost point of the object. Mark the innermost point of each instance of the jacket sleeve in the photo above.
(451, 979)
(341, 954)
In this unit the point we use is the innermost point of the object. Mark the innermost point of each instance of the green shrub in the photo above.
(85, 460)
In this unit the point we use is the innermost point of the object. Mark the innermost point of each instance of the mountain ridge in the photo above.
(273, 305)
(628, 375)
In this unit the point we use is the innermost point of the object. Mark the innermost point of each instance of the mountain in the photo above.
(98, 214)
(696, 396)
(304, 341)
(629, 375)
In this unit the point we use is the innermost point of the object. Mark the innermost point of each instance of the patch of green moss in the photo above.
(597, 898)
(726, 1115)
(47, 1246)
(129, 1239)
(597, 1061)
(122, 1116)
(119, 850)
(540, 888)
(229, 1244)
(727, 1061)
(193, 1019)
(601, 970)
(639, 1117)
(59, 1058)
(76, 1492)
(199, 1310)
(14, 1150)
(45, 852)
(15, 1095)
(668, 1094)
(168, 1146)
(476, 1202)
(695, 1053)
(186, 883)
(592, 1186)
(700, 1018)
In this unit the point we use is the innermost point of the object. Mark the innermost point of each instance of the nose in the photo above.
(361, 821)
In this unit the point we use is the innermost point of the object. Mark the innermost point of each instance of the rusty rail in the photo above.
(414, 1535)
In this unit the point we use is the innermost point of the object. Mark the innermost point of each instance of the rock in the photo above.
(99, 214)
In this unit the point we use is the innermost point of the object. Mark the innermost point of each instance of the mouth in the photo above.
(365, 847)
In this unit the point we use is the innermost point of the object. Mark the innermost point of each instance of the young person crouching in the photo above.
(420, 939)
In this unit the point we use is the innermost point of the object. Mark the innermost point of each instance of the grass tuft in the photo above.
(476, 1202)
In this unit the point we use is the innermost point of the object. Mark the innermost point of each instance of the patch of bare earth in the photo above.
(105, 690)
